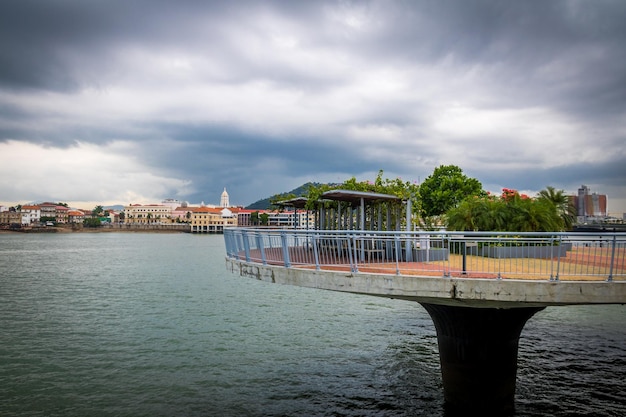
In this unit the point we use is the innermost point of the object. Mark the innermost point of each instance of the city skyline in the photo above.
(586, 201)
(135, 102)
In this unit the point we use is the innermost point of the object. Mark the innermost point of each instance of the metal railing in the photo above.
(497, 255)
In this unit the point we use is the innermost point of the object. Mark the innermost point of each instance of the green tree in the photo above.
(564, 207)
(471, 214)
(92, 222)
(97, 211)
(511, 212)
(265, 219)
(445, 188)
(254, 218)
(532, 215)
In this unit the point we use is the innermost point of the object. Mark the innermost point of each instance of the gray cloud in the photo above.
(261, 96)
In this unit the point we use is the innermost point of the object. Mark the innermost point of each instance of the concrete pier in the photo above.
(478, 355)
(478, 311)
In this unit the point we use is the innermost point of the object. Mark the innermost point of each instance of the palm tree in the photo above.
(564, 208)
(469, 215)
(535, 216)
(515, 213)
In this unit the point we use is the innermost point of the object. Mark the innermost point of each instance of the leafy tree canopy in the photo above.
(92, 222)
(445, 188)
(510, 212)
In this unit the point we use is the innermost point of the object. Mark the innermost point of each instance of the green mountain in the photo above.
(265, 204)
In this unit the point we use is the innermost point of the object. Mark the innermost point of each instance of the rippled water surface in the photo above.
(123, 324)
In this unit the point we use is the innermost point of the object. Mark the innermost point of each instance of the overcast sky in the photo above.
(118, 102)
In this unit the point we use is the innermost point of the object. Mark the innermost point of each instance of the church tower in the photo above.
(224, 201)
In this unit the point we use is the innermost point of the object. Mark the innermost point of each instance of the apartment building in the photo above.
(75, 216)
(147, 213)
(589, 205)
(300, 219)
(212, 219)
(30, 214)
(9, 217)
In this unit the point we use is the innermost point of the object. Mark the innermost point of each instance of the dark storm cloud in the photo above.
(217, 92)
(564, 53)
(65, 45)
(225, 150)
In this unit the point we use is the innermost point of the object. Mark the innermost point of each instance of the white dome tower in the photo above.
(224, 201)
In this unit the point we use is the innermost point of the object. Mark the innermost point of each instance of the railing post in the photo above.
(246, 244)
(610, 277)
(315, 252)
(228, 244)
(409, 248)
(448, 238)
(259, 244)
(352, 256)
(396, 248)
(464, 246)
(558, 261)
(283, 239)
(500, 258)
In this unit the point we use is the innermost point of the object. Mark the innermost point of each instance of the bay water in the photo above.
(148, 324)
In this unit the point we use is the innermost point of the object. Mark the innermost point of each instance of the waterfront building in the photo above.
(48, 210)
(9, 217)
(75, 216)
(147, 214)
(30, 214)
(212, 219)
(589, 206)
(296, 219)
(244, 217)
(61, 214)
(182, 214)
(299, 219)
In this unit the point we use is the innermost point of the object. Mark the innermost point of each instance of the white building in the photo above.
(173, 204)
(224, 200)
(300, 219)
(30, 214)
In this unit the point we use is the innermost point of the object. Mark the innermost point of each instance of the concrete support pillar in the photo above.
(478, 355)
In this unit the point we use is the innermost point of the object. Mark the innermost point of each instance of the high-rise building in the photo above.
(590, 204)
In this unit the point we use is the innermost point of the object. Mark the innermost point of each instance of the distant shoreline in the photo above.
(102, 229)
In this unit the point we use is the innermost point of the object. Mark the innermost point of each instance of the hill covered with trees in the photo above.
(266, 203)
